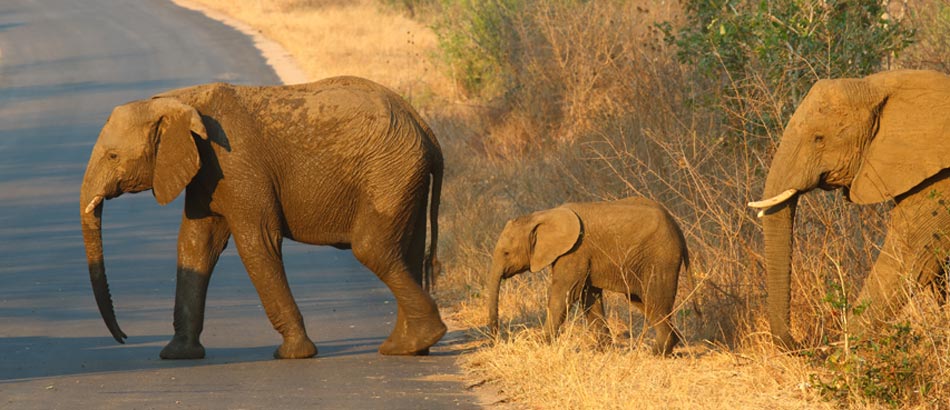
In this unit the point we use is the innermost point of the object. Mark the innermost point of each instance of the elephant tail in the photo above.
(684, 263)
(684, 266)
(431, 267)
(684, 269)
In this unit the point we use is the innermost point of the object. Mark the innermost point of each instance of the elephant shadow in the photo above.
(454, 343)
(37, 357)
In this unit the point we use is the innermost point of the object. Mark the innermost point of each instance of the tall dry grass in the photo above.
(348, 37)
(603, 111)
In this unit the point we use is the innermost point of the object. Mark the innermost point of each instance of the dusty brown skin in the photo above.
(632, 246)
(342, 162)
(882, 137)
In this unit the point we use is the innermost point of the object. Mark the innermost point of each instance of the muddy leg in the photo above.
(200, 243)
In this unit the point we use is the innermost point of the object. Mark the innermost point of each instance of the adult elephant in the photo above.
(342, 162)
(882, 137)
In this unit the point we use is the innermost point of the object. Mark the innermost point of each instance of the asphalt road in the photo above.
(64, 65)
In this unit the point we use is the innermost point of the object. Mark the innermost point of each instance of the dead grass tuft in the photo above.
(570, 373)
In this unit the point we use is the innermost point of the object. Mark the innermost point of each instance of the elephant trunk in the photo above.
(778, 225)
(91, 217)
(496, 274)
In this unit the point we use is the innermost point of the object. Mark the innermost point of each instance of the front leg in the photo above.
(258, 243)
(567, 283)
(912, 255)
(200, 243)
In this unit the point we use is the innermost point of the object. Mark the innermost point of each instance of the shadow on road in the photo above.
(39, 357)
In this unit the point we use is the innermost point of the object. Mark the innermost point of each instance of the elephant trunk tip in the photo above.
(100, 288)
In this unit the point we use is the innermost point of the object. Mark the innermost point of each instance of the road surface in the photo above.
(64, 65)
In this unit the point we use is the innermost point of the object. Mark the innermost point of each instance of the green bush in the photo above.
(890, 368)
(477, 39)
(884, 370)
(765, 55)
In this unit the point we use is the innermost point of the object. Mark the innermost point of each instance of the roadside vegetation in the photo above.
(537, 103)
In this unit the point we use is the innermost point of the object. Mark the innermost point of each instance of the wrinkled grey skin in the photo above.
(882, 137)
(342, 162)
(632, 246)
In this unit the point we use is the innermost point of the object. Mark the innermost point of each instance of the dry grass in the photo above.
(601, 114)
(347, 37)
(570, 374)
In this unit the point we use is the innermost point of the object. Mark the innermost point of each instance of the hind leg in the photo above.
(666, 337)
(659, 317)
(596, 318)
(658, 302)
(418, 324)
(415, 257)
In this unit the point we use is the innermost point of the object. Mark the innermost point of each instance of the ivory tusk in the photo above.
(775, 200)
(93, 204)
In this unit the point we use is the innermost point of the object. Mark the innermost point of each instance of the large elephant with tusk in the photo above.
(343, 162)
(882, 137)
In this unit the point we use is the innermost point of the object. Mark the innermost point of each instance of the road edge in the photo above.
(276, 56)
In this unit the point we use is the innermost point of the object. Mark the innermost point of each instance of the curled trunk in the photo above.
(92, 237)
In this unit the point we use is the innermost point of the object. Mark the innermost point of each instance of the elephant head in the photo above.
(876, 137)
(530, 242)
(143, 145)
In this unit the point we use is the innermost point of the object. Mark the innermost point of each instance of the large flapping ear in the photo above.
(912, 142)
(555, 233)
(176, 158)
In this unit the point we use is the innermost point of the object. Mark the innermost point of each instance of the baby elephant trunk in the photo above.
(494, 285)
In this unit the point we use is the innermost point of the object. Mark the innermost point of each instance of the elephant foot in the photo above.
(413, 339)
(182, 349)
(549, 335)
(661, 350)
(663, 345)
(296, 349)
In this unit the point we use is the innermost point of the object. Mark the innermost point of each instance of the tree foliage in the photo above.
(771, 52)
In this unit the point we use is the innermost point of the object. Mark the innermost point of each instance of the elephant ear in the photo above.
(555, 233)
(912, 142)
(176, 158)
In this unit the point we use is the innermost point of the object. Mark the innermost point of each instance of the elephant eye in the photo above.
(819, 138)
(113, 155)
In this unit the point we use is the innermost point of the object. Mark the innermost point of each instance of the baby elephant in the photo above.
(631, 246)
